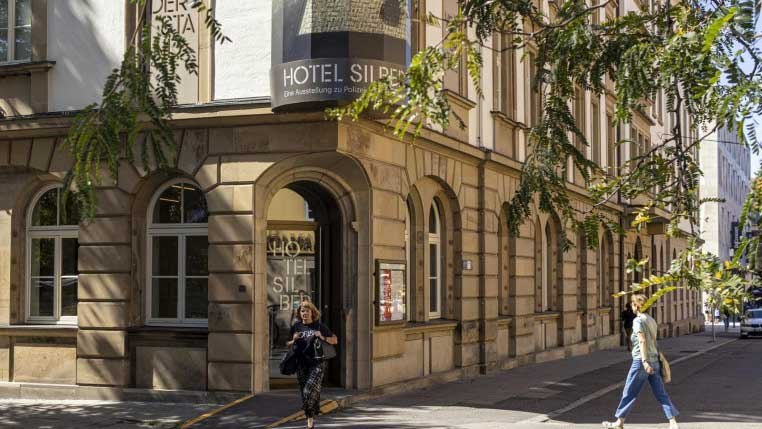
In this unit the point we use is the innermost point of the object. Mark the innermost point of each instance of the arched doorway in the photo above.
(304, 261)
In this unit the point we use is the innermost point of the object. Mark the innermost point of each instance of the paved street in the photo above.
(717, 389)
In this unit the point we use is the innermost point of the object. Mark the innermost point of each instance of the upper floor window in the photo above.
(15, 30)
(611, 144)
(535, 91)
(595, 140)
(177, 258)
(506, 61)
(51, 248)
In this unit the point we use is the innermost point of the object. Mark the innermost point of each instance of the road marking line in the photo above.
(542, 418)
(326, 406)
(193, 421)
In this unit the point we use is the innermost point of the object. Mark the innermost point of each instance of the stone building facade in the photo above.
(180, 280)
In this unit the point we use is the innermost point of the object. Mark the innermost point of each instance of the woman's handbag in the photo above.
(323, 350)
(666, 371)
(289, 363)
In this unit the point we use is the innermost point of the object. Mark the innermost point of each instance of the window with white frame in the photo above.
(408, 260)
(15, 30)
(177, 256)
(51, 249)
(435, 262)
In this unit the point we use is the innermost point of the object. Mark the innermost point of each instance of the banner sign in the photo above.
(328, 51)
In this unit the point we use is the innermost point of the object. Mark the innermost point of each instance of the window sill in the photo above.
(505, 320)
(547, 315)
(169, 336)
(24, 67)
(498, 115)
(160, 328)
(39, 330)
(430, 326)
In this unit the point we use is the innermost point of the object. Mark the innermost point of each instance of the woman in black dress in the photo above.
(310, 373)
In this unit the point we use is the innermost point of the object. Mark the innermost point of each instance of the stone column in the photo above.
(105, 261)
(524, 271)
(488, 269)
(567, 305)
(231, 288)
(466, 298)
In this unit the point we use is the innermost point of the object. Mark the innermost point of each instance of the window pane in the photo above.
(69, 249)
(433, 295)
(70, 214)
(194, 205)
(4, 14)
(432, 220)
(23, 13)
(164, 256)
(3, 45)
(41, 297)
(432, 260)
(69, 296)
(164, 298)
(168, 206)
(23, 43)
(196, 301)
(43, 257)
(46, 211)
(196, 256)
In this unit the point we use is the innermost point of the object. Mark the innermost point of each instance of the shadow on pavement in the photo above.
(81, 414)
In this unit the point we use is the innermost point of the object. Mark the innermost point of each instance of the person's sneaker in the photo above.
(673, 425)
(614, 425)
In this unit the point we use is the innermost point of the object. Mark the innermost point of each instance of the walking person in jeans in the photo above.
(308, 372)
(645, 367)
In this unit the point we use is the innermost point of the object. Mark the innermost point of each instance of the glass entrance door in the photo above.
(292, 276)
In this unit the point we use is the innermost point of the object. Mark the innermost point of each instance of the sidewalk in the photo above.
(527, 391)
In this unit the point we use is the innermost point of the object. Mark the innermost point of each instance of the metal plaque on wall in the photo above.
(328, 51)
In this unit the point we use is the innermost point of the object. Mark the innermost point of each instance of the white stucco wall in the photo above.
(86, 40)
(731, 182)
(242, 68)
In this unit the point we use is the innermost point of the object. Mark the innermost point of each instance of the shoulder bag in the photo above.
(289, 362)
(666, 371)
(322, 350)
(664, 368)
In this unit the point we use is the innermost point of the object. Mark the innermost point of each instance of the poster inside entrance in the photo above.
(291, 278)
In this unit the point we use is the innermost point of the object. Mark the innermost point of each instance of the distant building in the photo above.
(726, 164)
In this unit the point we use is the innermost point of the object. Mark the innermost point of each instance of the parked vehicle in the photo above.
(751, 324)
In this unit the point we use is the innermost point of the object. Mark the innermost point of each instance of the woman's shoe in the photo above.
(613, 425)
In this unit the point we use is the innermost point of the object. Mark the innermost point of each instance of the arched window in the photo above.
(601, 261)
(582, 285)
(177, 256)
(435, 261)
(51, 248)
(539, 263)
(409, 234)
(547, 287)
(638, 256)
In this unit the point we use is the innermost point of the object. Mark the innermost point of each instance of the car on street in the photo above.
(751, 324)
